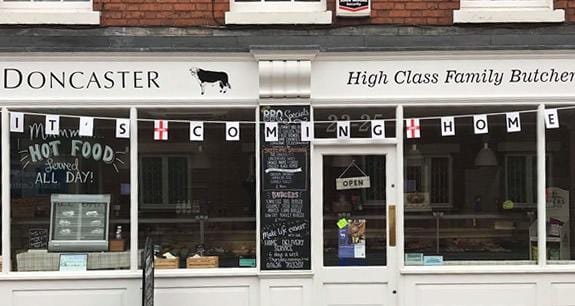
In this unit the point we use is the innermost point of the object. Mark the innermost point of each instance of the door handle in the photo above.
(392, 225)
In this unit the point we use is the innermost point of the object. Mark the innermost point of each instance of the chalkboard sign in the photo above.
(37, 238)
(148, 274)
(285, 195)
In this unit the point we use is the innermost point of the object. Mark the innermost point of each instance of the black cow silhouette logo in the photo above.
(214, 77)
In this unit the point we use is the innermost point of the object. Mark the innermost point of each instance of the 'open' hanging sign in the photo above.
(352, 183)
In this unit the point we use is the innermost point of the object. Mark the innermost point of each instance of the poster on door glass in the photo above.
(351, 239)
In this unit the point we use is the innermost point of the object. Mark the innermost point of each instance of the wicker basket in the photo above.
(202, 262)
(165, 263)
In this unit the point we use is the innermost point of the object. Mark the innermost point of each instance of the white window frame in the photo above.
(278, 12)
(491, 11)
(53, 12)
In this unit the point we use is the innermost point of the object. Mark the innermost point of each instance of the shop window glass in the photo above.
(197, 198)
(326, 121)
(471, 198)
(70, 194)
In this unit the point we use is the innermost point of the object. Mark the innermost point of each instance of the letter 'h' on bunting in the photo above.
(412, 128)
(160, 130)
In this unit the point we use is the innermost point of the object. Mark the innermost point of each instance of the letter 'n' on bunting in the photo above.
(412, 128)
(343, 130)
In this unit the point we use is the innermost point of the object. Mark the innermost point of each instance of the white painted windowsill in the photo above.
(503, 15)
(278, 17)
(30, 16)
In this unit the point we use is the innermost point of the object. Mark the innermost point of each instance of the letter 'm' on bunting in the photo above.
(196, 131)
(306, 131)
(447, 126)
(160, 129)
(232, 131)
(122, 128)
(551, 119)
(480, 124)
(377, 129)
(513, 122)
(412, 128)
(52, 125)
(271, 131)
(86, 126)
(343, 130)
(17, 122)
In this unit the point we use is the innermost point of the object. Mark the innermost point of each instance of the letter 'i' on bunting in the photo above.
(343, 130)
(160, 129)
(447, 126)
(480, 124)
(412, 128)
(86, 126)
(513, 122)
(122, 128)
(17, 122)
(196, 131)
(232, 131)
(271, 131)
(551, 119)
(306, 131)
(377, 129)
(52, 125)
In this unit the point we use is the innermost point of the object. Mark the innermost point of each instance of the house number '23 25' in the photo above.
(363, 126)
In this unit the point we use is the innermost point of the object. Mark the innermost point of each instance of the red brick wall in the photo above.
(211, 12)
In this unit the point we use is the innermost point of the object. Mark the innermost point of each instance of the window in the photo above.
(278, 12)
(164, 180)
(490, 11)
(48, 12)
(428, 180)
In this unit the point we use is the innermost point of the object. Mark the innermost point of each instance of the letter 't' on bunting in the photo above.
(160, 129)
(447, 126)
(271, 131)
(52, 125)
(377, 129)
(86, 126)
(480, 124)
(122, 128)
(232, 131)
(343, 130)
(196, 131)
(17, 122)
(551, 119)
(306, 131)
(412, 128)
(513, 122)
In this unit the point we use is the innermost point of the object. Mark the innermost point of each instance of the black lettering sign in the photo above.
(38, 238)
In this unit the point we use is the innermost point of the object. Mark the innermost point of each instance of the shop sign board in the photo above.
(353, 8)
(359, 182)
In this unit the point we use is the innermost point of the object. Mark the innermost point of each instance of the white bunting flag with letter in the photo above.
(52, 125)
(306, 131)
(160, 129)
(412, 128)
(232, 131)
(86, 126)
(122, 128)
(551, 119)
(480, 124)
(196, 131)
(17, 122)
(377, 129)
(343, 130)
(513, 122)
(271, 131)
(447, 126)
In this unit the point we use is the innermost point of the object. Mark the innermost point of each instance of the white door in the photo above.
(353, 196)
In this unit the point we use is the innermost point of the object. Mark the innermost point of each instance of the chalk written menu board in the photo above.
(285, 195)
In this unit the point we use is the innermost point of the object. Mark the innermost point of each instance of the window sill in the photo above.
(278, 17)
(26, 16)
(505, 15)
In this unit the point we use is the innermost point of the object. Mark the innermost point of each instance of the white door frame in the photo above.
(389, 274)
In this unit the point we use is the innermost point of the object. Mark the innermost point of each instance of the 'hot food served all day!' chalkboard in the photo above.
(285, 194)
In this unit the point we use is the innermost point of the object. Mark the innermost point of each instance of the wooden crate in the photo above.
(165, 263)
(117, 245)
(202, 262)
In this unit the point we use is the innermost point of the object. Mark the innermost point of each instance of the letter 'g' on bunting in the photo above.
(377, 129)
(160, 130)
(122, 128)
(271, 131)
(306, 131)
(480, 124)
(412, 128)
(551, 119)
(17, 122)
(513, 122)
(447, 126)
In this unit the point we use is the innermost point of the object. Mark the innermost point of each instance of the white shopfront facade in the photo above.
(462, 225)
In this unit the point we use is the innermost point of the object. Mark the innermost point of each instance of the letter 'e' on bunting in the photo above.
(86, 126)
(271, 131)
(160, 129)
(412, 128)
(122, 128)
(196, 131)
(551, 119)
(306, 131)
(447, 126)
(343, 130)
(513, 122)
(377, 129)
(232, 131)
(480, 124)
(52, 125)
(17, 122)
